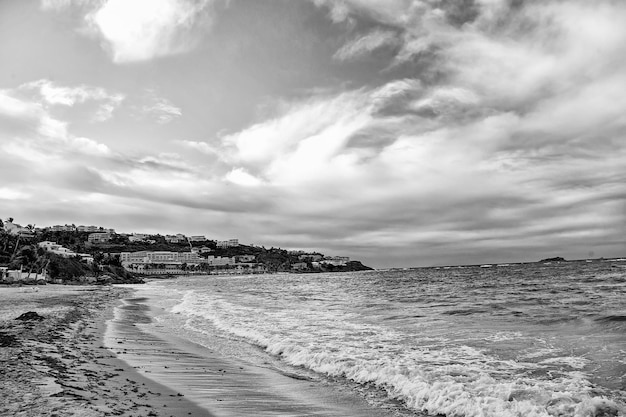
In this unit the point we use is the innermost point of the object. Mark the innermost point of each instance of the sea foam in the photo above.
(438, 379)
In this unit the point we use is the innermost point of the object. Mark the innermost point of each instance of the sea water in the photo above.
(511, 340)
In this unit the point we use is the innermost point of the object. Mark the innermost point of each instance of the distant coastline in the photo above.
(69, 254)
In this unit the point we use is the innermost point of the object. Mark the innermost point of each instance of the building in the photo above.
(57, 249)
(299, 266)
(137, 237)
(245, 258)
(174, 239)
(103, 237)
(17, 230)
(311, 257)
(16, 275)
(66, 228)
(336, 260)
(197, 239)
(220, 260)
(92, 229)
(231, 243)
(159, 257)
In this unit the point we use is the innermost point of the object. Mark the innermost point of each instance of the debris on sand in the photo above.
(30, 316)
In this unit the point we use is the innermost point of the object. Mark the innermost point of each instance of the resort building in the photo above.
(57, 249)
(174, 238)
(99, 237)
(59, 228)
(299, 266)
(311, 257)
(160, 257)
(336, 260)
(220, 260)
(197, 239)
(16, 275)
(231, 243)
(137, 237)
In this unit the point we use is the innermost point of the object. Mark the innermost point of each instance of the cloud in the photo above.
(203, 147)
(60, 5)
(365, 44)
(515, 145)
(161, 109)
(141, 30)
(51, 94)
(239, 176)
(32, 133)
(494, 133)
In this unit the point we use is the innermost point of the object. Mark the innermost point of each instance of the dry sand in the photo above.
(58, 366)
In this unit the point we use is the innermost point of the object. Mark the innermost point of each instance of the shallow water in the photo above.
(520, 340)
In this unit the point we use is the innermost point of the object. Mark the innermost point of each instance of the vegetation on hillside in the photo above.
(23, 253)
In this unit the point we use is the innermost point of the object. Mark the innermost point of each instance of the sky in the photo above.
(398, 132)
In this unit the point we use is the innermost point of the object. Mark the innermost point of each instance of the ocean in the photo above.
(510, 340)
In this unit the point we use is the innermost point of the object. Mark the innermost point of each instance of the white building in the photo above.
(220, 260)
(137, 237)
(311, 257)
(59, 228)
(231, 243)
(197, 239)
(336, 260)
(299, 266)
(57, 249)
(174, 239)
(99, 237)
(15, 230)
(160, 257)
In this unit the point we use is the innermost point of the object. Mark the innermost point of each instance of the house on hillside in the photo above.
(336, 260)
(96, 238)
(299, 266)
(18, 230)
(230, 243)
(173, 239)
(137, 237)
(313, 257)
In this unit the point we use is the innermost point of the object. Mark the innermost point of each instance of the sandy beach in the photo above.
(56, 364)
(82, 351)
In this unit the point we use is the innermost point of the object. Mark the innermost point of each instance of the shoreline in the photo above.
(57, 364)
(224, 385)
(79, 357)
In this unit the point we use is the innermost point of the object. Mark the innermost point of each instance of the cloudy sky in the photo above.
(397, 132)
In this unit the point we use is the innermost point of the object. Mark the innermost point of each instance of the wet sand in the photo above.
(88, 356)
(59, 366)
(226, 386)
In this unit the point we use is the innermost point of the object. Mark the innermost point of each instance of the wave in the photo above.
(462, 312)
(612, 318)
(451, 381)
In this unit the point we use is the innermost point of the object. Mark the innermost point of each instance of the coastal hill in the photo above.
(555, 259)
(78, 257)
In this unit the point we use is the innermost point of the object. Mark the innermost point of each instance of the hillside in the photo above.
(19, 252)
